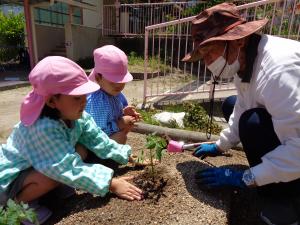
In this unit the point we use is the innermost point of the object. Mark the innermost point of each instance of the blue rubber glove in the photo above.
(220, 177)
(204, 150)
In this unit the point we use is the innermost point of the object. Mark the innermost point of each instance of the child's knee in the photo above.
(47, 182)
(41, 180)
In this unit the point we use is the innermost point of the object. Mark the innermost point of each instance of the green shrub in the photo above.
(11, 35)
(14, 213)
(197, 119)
(147, 116)
(136, 64)
(195, 10)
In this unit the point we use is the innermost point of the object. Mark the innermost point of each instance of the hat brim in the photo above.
(84, 89)
(115, 79)
(238, 32)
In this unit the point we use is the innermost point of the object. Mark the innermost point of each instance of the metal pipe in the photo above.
(177, 134)
(29, 32)
(145, 65)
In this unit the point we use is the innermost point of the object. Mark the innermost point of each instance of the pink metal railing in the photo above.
(131, 19)
(167, 43)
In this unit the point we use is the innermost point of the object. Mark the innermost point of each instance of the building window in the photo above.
(56, 15)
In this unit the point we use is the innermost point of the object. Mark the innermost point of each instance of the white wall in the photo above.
(93, 18)
(81, 41)
(48, 38)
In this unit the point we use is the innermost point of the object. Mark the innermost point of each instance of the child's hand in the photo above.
(125, 190)
(126, 123)
(130, 111)
(147, 162)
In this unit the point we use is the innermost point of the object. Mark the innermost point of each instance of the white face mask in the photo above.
(229, 70)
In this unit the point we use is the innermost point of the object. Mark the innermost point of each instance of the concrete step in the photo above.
(59, 50)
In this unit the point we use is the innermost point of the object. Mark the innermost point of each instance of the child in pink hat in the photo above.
(108, 106)
(41, 153)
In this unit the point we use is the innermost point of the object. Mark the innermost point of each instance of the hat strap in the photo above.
(212, 97)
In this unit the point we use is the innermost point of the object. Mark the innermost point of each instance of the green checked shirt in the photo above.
(49, 147)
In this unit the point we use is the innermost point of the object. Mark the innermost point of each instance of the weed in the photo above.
(136, 64)
(195, 119)
(147, 116)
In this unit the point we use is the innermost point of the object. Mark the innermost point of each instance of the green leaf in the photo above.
(150, 144)
(159, 154)
(15, 213)
(141, 158)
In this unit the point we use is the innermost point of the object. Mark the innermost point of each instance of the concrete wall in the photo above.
(81, 41)
(48, 38)
(93, 18)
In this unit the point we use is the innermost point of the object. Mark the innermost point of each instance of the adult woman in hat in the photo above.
(266, 113)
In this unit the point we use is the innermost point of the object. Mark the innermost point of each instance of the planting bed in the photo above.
(180, 200)
(177, 201)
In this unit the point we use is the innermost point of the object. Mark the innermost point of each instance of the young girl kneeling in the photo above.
(40, 154)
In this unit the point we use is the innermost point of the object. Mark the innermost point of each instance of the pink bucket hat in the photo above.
(53, 75)
(112, 63)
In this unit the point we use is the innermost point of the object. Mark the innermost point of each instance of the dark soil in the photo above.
(152, 186)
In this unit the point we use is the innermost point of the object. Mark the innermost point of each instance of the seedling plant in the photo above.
(14, 213)
(156, 146)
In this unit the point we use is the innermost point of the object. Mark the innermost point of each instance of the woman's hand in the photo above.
(207, 149)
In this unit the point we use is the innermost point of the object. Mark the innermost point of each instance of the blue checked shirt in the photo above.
(106, 110)
(49, 147)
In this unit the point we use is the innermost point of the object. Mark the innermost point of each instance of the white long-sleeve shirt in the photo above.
(275, 86)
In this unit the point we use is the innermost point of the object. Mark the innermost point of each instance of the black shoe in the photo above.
(279, 212)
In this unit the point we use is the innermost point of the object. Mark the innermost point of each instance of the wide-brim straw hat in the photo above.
(221, 22)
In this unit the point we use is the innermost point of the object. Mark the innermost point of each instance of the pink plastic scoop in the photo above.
(176, 146)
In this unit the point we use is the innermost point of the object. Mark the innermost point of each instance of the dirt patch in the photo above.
(181, 202)
(153, 187)
(10, 102)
